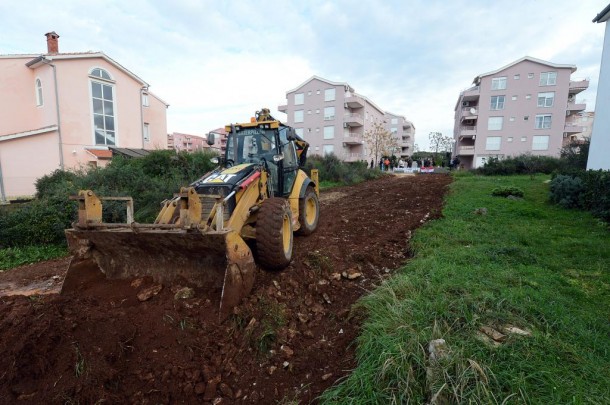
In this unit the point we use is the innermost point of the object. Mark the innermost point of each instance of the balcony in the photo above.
(471, 93)
(576, 106)
(352, 139)
(466, 151)
(353, 120)
(282, 108)
(577, 86)
(407, 125)
(470, 113)
(354, 101)
(468, 130)
(353, 157)
(572, 128)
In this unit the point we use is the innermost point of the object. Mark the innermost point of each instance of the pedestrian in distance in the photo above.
(372, 163)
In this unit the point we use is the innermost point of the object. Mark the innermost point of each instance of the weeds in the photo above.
(79, 366)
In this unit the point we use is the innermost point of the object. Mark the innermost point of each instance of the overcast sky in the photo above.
(216, 62)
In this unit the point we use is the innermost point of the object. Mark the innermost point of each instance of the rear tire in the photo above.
(309, 212)
(274, 234)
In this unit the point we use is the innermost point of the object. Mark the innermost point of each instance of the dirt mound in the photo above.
(291, 339)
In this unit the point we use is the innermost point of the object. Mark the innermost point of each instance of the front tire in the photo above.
(309, 212)
(274, 234)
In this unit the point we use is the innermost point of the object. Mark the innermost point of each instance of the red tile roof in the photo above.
(100, 153)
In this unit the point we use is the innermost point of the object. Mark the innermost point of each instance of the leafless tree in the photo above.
(380, 141)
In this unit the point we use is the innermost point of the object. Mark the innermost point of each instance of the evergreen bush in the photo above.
(567, 191)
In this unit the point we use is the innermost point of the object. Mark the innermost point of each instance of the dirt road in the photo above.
(291, 340)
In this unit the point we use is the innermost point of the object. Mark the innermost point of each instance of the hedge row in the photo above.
(149, 180)
(588, 190)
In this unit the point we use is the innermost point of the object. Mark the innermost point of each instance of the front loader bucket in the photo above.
(219, 262)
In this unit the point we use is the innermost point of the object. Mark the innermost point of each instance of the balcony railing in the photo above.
(572, 128)
(466, 150)
(352, 140)
(473, 91)
(354, 101)
(470, 111)
(353, 120)
(577, 106)
(576, 86)
(282, 107)
(353, 157)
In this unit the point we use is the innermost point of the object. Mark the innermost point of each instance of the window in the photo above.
(298, 116)
(39, 100)
(299, 131)
(528, 96)
(543, 121)
(309, 93)
(526, 117)
(100, 74)
(329, 132)
(513, 98)
(546, 99)
(394, 121)
(548, 78)
(509, 139)
(299, 98)
(511, 119)
(523, 138)
(308, 112)
(317, 91)
(103, 112)
(147, 133)
(540, 142)
(329, 113)
(495, 123)
(493, 143)
(318, 111)
(328, 149)
(498, 83)
(145, 100)
(530, 75)
(517, 77)
(497, 103)
(329, 94)
(393, 131)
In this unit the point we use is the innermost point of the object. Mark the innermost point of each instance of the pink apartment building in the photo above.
(333, 118)
(68, 110)
(185, 142)
(527, 106)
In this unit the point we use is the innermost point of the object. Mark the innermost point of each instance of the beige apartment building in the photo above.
(333, 118)
(527, 106)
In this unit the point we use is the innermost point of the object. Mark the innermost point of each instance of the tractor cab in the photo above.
(270, 144)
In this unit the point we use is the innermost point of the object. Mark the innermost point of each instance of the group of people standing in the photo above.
(386, 163)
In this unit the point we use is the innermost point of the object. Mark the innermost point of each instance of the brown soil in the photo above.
(289, 341)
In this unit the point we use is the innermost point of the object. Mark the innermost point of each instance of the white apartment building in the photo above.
(333, 118)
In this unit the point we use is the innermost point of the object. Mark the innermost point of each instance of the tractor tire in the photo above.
(274, 234)
(309, 212)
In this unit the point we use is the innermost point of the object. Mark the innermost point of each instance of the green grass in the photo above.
(13, 257)
(526, 263)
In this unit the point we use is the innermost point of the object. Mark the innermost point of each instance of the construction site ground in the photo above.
(131, 341)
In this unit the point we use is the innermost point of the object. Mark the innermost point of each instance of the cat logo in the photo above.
(219, 178)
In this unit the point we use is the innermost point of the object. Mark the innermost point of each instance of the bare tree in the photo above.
(440, 143)
(380, 141)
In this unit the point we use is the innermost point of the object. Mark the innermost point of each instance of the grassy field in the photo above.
(13, 257)
(523, 263)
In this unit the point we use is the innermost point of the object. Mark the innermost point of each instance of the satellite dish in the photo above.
(473, 111)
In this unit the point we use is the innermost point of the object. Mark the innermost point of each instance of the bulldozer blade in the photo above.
(218, 262)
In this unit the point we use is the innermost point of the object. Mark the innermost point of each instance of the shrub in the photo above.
(507, 191)
(333, 170)
(567, 191)
(522, 164)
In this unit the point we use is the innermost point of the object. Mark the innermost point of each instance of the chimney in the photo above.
(52, 42)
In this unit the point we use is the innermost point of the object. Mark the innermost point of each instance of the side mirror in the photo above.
(211, 139)
(291, 136)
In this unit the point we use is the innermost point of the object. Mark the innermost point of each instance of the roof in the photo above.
(350, 88)
(528, 58)
(100, 153)
(39, 59)
(129, 152)
(603, 16)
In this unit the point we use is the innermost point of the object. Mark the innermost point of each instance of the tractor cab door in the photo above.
(289, 165)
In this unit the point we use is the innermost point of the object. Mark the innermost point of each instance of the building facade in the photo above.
(67, 110)
(185, 142)
(528, 106)
(403, 132)
(600, 138)
(333, 118)
(584, 120)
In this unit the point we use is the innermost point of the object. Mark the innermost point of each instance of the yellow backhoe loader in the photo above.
(257, 194)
